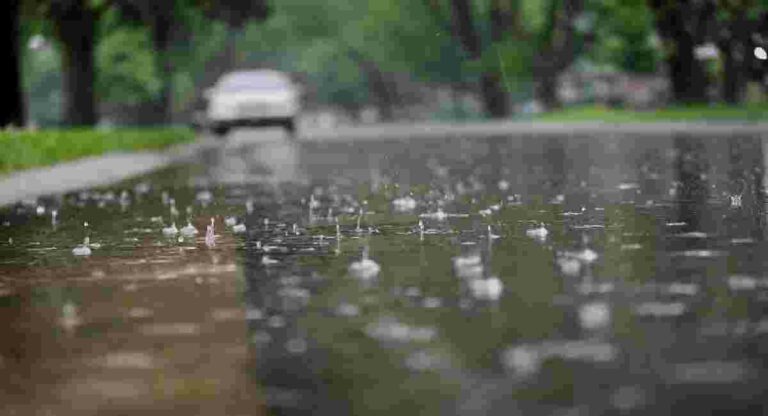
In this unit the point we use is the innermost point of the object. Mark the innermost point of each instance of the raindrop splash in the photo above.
(210, 237)
(365, 268)
(170, 231)
(539, 233)
(82, 249)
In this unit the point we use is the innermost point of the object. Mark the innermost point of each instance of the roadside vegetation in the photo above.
(147, 62)
(692, 113)
(24, 149)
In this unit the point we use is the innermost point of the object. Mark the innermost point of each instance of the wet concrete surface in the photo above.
(545, 274)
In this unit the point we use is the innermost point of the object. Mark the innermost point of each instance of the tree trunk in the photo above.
(464, 29)
(732, 87)
(736, 54)
(546, 91)
(491, 83)
(494, 97)
(491, 88)
(76, 31)
(381, 90)
(559, 51)
(12, 107)
(686, 74)
(161, 33)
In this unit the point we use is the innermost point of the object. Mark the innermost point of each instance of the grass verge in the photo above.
(25, 149)
(752, 112)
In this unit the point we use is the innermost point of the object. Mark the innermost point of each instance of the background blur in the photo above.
(146, 62)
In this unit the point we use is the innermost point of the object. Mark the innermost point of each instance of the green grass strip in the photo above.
(25, 149)
(752, 112)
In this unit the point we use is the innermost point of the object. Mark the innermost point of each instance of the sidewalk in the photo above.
(89, 172)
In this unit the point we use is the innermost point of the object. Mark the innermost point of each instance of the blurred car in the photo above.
(253, 98)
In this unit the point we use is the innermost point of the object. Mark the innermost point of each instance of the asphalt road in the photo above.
(628, 270)
(106, 169)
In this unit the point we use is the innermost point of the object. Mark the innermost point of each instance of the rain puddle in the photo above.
(418, 277)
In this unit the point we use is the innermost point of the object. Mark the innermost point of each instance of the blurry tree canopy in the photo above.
(73, 23)
(155, 56)
(623, 35)
(77, 25)
(685, 26)
(739, 27)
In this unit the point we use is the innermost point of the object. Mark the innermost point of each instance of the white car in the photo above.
(253, 98)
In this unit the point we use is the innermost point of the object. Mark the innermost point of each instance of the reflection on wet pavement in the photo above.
(538, 275)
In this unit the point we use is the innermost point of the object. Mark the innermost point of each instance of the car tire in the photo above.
(290, 126)
(220, 130)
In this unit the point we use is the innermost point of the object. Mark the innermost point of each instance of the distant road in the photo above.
(506, 128)
(105, 169)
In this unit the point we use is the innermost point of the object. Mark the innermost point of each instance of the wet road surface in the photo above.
(541, 274)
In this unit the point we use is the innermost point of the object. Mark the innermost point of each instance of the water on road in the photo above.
(543, 275)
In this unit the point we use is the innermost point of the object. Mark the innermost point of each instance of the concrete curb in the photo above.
(89, 172)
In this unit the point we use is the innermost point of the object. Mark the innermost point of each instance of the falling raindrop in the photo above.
(359, 218)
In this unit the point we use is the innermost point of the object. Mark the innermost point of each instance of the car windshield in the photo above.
(254, 81)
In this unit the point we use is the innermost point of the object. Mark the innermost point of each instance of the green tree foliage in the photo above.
(80, 25)
(126, 68)
(623, 35)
